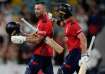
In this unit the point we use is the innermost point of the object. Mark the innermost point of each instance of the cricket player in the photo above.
(75, 40)
(42, 55)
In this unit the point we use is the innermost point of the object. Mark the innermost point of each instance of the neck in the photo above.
(71, 18)
(43, 15)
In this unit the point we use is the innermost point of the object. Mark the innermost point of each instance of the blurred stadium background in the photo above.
(89, 13)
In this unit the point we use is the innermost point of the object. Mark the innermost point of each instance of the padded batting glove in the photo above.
(18, 39)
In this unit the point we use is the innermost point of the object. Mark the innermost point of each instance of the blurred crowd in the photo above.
(89, 13)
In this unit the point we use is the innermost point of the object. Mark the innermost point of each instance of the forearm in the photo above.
(83, 42)
(83, 45)
(34, 38)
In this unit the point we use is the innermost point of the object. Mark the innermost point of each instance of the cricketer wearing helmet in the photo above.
(75, 40)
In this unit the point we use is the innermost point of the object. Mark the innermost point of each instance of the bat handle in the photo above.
(29, 25)
(91, 43)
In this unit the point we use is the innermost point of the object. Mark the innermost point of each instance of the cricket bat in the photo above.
(48, 40)
(83, 66)
(54, 45)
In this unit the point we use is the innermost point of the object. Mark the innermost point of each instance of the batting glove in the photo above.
(84, 59)
(18, 39)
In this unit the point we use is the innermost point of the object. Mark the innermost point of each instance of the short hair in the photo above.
(40, 2)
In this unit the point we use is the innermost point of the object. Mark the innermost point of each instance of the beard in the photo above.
(38, 14)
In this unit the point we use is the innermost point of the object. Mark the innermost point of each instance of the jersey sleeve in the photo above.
(77, 28)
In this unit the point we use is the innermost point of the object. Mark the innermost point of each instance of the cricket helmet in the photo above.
(65, 10)
(12, 28)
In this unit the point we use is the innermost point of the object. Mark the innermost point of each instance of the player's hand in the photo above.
(18, 39)
(84, 59)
